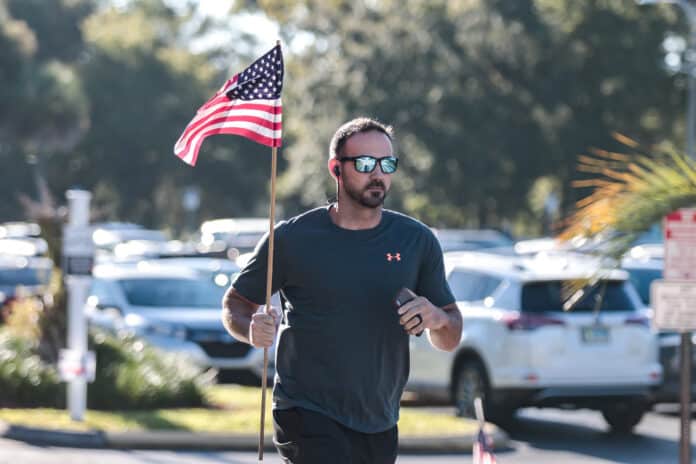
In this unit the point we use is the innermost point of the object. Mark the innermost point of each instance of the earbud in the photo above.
(337, 171)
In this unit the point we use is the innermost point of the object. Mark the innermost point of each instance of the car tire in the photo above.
(470, 381)
(623, 417)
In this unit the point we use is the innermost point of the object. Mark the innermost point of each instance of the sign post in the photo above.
(675, 305)
(77, 364)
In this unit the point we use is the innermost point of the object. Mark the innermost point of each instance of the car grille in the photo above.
(225, 350)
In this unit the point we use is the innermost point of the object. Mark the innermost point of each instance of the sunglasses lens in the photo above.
(365, 164)
(389, 165)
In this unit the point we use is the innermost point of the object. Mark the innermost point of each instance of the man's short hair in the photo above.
(353, 127)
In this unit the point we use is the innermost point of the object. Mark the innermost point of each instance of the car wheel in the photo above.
(623, 417)
(469, 383)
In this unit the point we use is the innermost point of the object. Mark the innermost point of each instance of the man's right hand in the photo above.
(263, 327)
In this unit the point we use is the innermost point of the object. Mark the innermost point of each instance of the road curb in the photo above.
(180, 440)
(49, 437)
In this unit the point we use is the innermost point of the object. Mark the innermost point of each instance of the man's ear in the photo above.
(334, 168)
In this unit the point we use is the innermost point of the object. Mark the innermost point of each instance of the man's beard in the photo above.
(369, 199)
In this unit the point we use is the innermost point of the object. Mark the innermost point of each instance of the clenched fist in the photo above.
(263, 327)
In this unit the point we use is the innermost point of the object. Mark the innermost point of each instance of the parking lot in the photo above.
(506, 293)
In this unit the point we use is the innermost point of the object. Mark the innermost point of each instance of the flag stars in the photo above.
(262, 80)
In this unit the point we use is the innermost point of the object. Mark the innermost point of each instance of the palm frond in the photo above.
(630, 194)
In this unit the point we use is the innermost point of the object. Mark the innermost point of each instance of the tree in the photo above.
(487, 97)
(144, 86)
(42, 106)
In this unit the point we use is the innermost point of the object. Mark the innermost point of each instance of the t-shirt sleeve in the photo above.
(432, 282)
(251, 281)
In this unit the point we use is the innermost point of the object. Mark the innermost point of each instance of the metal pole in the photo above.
(77, 233)
(686, 348)
(77, 341)
(685, 436)
(690, 13)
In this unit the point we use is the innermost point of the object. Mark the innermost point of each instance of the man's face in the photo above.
(368, 189)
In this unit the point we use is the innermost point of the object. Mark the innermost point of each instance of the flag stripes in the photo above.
(248, 104)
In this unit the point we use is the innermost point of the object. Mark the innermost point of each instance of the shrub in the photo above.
(130, 375)
(24, 378)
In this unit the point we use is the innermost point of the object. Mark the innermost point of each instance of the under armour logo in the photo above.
(391, 257)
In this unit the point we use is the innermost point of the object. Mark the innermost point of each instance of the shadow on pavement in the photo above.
(580, 439)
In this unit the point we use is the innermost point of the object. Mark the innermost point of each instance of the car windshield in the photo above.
(641, 279)
(172, 292)
(22, 276)
(538, 297)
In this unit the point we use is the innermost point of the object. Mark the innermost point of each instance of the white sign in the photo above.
(78, 250)
(674, 303)
(77, 241)
(73, 365)
(680, 245)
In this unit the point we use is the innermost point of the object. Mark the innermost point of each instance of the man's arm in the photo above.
(444, 324)
(243, 321)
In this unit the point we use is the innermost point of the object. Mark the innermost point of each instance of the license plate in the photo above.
(595, 335)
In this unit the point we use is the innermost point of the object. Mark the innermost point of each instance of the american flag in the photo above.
(483, 449)
(483, 446)
(248, 104)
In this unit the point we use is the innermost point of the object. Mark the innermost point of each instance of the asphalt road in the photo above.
(554, 436)
(537, 436)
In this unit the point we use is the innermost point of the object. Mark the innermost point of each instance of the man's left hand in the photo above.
(419, 314)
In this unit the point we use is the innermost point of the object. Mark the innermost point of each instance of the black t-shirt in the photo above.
(341, 350)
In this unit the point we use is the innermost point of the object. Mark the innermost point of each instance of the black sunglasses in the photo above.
(367, 163)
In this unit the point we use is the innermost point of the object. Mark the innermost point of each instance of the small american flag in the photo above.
(483, 450)
(248, 104)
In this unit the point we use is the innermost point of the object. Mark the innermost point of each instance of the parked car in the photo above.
(520, 348)
(471, 239)
(24, 246)
(22, 276)
(173, 308)
(219, 270)
(19, 229)
(645, 264)
(107, 235)
(136, 250)
(232, 235)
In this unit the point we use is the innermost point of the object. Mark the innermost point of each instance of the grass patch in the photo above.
(235, 410)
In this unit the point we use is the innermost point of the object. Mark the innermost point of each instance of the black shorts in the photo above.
(307, 437)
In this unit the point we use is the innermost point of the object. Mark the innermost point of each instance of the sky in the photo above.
(254, 24)
(259, 25)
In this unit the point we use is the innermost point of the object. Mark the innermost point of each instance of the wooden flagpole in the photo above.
(269, 286)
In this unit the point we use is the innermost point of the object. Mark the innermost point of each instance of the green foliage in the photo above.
(630, 194)
(129, 375)
(43, 109)
(25, 380)
(486, 96)
(134, 376)
(56, 24)
(144, 86)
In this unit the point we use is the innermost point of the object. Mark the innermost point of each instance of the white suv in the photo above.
(520, 348)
